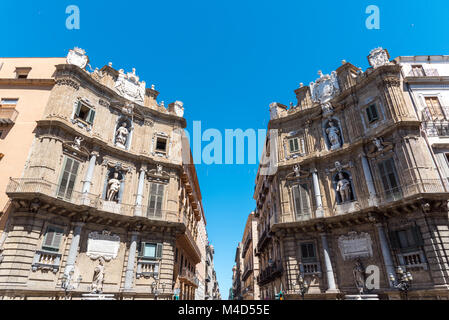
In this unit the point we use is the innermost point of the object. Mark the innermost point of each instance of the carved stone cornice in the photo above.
(68, 82)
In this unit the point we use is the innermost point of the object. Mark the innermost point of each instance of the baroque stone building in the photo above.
(108, 204)
(352, 185)
(250, 272)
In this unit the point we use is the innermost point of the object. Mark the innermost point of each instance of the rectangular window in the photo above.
(151, 250)
(52, 239)
(418, 71)
(68, 178)
(85, 113)
(308, 253)
(294, 145)
(9, 103)
(389, 180)
(302, 201)
(407, 240)
(161, 144)
(22, 72)
(434, 106)
(372, 114)
(155, 200)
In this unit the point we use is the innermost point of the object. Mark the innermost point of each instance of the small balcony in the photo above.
(147, 269)
(425, 186)
(247, 272)
(270, 273)
(8, 116)
(413, 260)
(189, 277)
(46, 260)
(264, 239)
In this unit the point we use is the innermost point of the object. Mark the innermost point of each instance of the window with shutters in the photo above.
(372, 113)
(301, 200)
(389, 179)
(68, 178)
(52, 239)
(434, 107)
(85, 113)
(151, 250)
(296, 145)
(308, 253)
(155, 200)
(407, 240)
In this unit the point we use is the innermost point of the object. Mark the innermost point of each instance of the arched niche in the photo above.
(118, 137)
(344, 187)
(333, 135)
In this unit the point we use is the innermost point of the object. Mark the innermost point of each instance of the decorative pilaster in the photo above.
(90, 172)
(73, 251)
(129, 275)
(319, 213)
(369, 181)
(139, 197)
(385, 252)
(328, 265)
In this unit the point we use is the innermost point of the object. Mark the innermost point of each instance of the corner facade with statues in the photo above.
(109, 202)
(352, 192)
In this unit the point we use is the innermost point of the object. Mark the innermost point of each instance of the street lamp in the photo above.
(303, 286)
(404, 283)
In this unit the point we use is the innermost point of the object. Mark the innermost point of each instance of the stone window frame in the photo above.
(309, 185)
(41, 251)
(313, 263)
(376, 172)
(401, 254)
(87, 125)
(154, 262)
(22, 71)
(425, 109)
(380, 113)
(154, 151)
(302, 148)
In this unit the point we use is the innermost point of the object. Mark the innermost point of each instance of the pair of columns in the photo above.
(89, 176)
(369, 182)
(73, 253)
(388, 260)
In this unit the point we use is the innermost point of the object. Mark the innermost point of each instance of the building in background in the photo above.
(250, 286)
(356, 185)
(237, 271)
(25, 86)
(108, 203)
(212, 287)
(202, 242)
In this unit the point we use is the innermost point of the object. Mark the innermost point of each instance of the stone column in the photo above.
(386, 252)
(328, 265)
(139, 197)
(73, 250)
(129, 275)
(369, 181)
(87, 183)
(319, 213)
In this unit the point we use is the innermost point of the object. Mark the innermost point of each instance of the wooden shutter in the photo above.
(417, 236)
(53, 237)
(159, 250)
(91, 116)
(394, 241)
(155, 200)
(78, 109)
(68, 178)
(388, 176)
(301, 199)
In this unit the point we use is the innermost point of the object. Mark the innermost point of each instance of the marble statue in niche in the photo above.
(97, 282)
(359, 276)
(113, 187)
(121, 136)
(344, 188)
(333, 134)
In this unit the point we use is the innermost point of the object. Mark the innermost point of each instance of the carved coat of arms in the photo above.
(78, 57)
(378, 57)
(324, 88)
(129, 87)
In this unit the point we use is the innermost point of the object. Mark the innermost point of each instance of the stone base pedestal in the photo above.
(362, 297)
(97, 296)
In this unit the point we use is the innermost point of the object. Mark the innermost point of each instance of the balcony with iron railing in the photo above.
(248, 241)
(189, 277)
(8, 116)
(436, 125)
(423, 72)
(33, 188)
(247, 271)
(270, 273)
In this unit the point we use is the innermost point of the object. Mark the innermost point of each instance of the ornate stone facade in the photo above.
(363, 189)
(107, 203)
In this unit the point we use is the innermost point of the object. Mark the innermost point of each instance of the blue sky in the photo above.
(227, 61)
